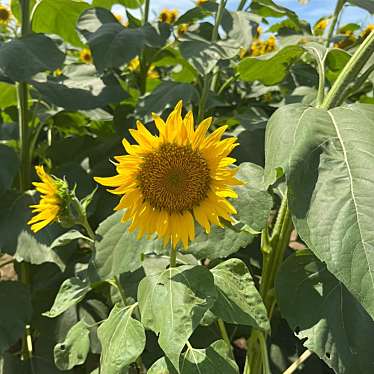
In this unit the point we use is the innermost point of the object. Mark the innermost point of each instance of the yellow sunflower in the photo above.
(5, 14)
(85, 56)
(170, 180)
(367, 31)
(168, 15)
(50, 204)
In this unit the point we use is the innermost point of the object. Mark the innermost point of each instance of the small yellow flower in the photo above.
(320, 26)
(201, 2)
(134, 64)
(367, 31)
(153, 73)
(169, 181)
(85, 56)
(346, 42)
(182, 28)
(118, 17)
(57, 72)
(5, 15)
(259, 31)
(168, 15)
(257, 48)
(270, 44)
(50, 204)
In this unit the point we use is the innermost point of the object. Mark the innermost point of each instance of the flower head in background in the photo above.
(51, 203)
(134, 66)
(367, 31)
(85, 56)
(168, 16)
(5, 15)
(320, 26)
(182, 29)
(169, 181)
(201, 2)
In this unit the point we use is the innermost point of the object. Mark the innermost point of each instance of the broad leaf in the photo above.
(366, 4)
(220, 242)
(238, 300)
(59, 17)
(254, 201)
(33, 252)
(332, 322)
(127, 3)
(271, 68)
(173, 302)
(330, 184)
(9, 165)
(215, 359)
(81, 89)
(166, 95)
(8, 95)
(71, 292)
(15, 312)
(22, 58)
(117, 250)
(67, 238)
(74, 349)
(122, 339)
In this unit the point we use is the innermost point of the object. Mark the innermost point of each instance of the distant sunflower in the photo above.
(170, 180)
(50, 204)
(168, 16)
(5, 14)
(367, 31)
(85, 56)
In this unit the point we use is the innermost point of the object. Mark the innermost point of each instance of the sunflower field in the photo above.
(187, 190)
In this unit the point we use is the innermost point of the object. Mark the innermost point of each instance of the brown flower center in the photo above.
(4, 14)
(174, 178)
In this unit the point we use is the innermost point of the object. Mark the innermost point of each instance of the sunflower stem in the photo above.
(208, 77)
(222, 329)
(173, 257)
(338, 8)
(146, 11)
(349, 73)
(242, 4)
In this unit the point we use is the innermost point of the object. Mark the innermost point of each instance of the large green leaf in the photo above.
(220, 242)
(166, 95)
(330, 183)
(9, 166)
(33, 252)
(111, 43)
(71, 292)
(323, 312)
(8, 95)
(59, 17)
(254, 202)
(238, 300)
(271, 68)
(366, 4)
(15, 312)
(117, 250)
(74, 349)
(22, 58)
(173, 302)
(81, 89)
(122, 339)
(132, 4)
(215, 359)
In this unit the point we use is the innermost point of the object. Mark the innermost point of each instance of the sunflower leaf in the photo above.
(168, 300)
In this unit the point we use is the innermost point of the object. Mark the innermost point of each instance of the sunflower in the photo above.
(85, 56)
(201, 2)
(168, 16)
(134, 66)
(320, 26)
(171, 180)
(50, 204)
(367, 31)
(5, 14)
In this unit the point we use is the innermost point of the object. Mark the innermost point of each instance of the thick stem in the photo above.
(208, 78)
(349, 73)
(222, 329)
(338, 8)
(291, 369)
(173, 257)
(146, 11)
(242, 4)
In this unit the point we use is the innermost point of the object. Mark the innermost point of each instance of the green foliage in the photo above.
(74, 80)
(308, 296)
(122, 339)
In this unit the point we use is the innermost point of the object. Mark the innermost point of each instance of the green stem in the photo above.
(208, 78)
(146, 11)
(120, 290)
(349, 73)
(338, 8)
(222, 329)
(173, 257)
(242, 4)
(88, 228)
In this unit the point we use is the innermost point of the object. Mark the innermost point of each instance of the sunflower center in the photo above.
(174, 178)
(4, 14)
